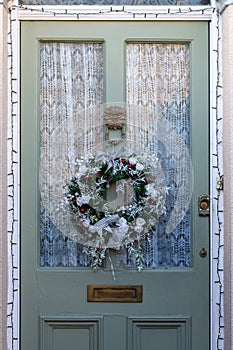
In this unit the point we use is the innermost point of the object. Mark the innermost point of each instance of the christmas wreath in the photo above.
(103, 227)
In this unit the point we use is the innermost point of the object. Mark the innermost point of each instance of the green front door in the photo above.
(68, 305)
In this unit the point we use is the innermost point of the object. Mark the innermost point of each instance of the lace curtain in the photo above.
(158, 120)
(71, 125)
(158, 112)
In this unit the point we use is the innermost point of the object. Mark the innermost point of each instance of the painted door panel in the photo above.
(174, 312)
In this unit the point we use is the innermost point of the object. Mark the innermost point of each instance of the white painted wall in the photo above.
(3, 174)
(227, 56)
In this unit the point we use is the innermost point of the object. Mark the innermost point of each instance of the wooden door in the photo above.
(165, 306)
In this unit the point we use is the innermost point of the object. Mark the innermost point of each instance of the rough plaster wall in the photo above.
(227, 35)
(3, 176)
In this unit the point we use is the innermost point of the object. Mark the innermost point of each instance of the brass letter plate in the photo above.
(114, 294)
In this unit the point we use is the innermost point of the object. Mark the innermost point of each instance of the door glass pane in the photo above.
(71, 84)
(158, 120)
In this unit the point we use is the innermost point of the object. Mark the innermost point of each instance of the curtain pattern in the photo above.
(158, 80)
(158, 96)
(71, 94)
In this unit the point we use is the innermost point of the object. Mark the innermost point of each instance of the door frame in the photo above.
(206, 13)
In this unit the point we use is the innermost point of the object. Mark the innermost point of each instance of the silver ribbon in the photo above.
(106, 221)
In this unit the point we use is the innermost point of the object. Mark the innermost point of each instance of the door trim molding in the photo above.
(217, 221)
(216, 194)
(113, 13)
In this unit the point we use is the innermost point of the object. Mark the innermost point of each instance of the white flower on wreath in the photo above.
(138, 229)
(151, 191)
(86, 223)
(139, 167)
(132, 160)
(85, 199)
(140, 222)
(149, 188)
(122, 222)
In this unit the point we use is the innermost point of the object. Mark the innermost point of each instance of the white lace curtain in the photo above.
(158, 121)
(72, 124)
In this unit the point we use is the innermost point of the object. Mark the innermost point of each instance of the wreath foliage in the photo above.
(101, 226)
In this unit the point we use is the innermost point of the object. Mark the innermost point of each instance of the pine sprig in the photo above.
(98, 255)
